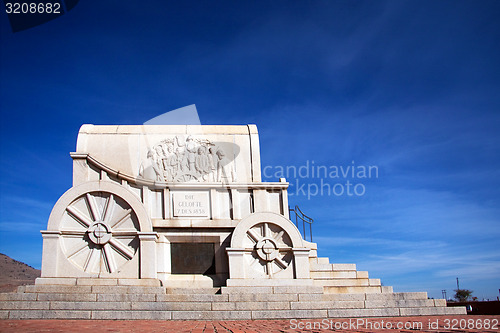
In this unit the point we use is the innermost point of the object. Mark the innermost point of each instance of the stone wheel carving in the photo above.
(99, 232)
(270, 248)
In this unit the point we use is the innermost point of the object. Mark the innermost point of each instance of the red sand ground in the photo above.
(427, 324)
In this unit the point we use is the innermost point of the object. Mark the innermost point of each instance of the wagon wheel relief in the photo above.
(99, 232)
(272, 248)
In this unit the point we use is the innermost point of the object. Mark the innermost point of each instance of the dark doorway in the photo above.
(193, 258)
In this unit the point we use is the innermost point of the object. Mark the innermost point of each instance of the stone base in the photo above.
(268, 282)
(97, 282)
(158, 303)
(195, 281)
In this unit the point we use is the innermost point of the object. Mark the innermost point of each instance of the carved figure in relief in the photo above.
(149, 169)
(171, 164)
(184, 160)
(191, 153)
(202, 163)
(225, 170)
(212, 162)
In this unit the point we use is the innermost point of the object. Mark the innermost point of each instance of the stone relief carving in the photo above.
(270, 248)
(99, 232)
(187, 160)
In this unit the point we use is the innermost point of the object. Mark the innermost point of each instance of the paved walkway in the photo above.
(395, 324)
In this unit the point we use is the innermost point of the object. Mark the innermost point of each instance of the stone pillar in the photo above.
(164, 267)
(237, 263)
(50, 253)
(147, 254)
(301, 258)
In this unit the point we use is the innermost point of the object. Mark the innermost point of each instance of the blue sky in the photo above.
(412, 87)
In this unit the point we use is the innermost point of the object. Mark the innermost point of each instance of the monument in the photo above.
(174, 222)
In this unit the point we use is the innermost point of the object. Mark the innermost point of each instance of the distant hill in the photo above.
(14, 273)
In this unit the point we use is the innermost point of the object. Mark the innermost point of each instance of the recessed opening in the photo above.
(193, 258)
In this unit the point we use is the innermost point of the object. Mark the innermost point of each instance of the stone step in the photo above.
(273, 290)
(91, 289)
(323, 264)
(184, 291)
(352, 290)
(346, 282)
(397, 296)
(322, 275)
(228, 315)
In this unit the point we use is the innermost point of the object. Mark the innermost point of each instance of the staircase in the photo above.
(343, 278)
(160, 303)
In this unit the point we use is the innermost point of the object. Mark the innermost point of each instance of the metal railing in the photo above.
(300, 216)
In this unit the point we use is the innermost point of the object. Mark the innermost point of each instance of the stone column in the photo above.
(147, 254)
(301, 258)
(237, 263)
(50, 253)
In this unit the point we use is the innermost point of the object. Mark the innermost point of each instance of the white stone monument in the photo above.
(138, 190)
(174, 222)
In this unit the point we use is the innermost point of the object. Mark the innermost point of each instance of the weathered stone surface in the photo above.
(352, 290)
(346, 313)
(265, 297)
(246, 290)
(127, 290)
(172, 306)
(411, 303)
(126, 297)
(96, 282)
(397, 296)
(262, 305)
(132, 315)
(223, 306)
(439, 302)
(23, 305)
(331, 297)
(49, 314)
(335, 275)
(432, 311)
(58, 289)
(90, 305)
(192, 298)
(183, 291)
(295, 314)
(17, 297)
(325, 305)
(298, 290)
(66, 297)
(211, 315)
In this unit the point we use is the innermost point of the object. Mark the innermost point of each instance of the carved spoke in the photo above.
(88, 260)
(253, 236)
(107, 208)
(109, 259)
(121, 248)
(121, 219)
(281, 263)
(280, 235)
(77, 250)
(269, 268)
(73, 232)
(265, 231)
(78, 216)
(93, 207)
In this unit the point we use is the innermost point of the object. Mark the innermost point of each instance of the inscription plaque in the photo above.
(191, 204)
